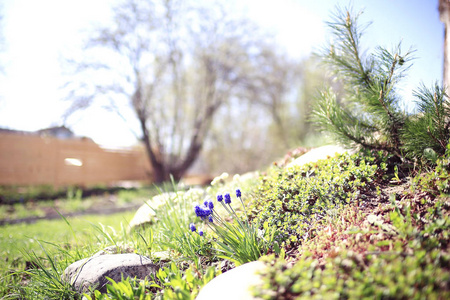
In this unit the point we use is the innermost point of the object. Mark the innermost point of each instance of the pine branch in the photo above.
(429, 128)
(368, 114)
(355, 47)
(332, 118)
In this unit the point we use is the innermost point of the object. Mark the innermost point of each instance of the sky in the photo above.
(40, 35)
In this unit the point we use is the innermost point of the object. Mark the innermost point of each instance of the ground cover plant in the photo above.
(397, 250)
(291, 200)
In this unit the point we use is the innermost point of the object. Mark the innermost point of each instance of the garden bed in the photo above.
(353, 215)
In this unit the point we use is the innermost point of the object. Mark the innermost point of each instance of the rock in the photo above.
(161, 255)
(246, 177)
(146, 213)
(234, 284)
(317, 154)
(114, 250)
(90, 273)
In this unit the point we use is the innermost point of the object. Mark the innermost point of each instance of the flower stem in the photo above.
(245, 210)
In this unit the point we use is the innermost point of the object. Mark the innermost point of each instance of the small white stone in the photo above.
(317, 154)
(234, 284)
(146, 213)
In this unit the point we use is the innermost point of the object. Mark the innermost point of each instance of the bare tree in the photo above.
(176, 64)
(282, 77)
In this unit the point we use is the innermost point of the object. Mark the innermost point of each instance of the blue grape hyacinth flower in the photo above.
(200, 233)
(202, 211)
(219, 198)
(227, 198)
(238, 193)
(198, 210)
(192, 227)
(209, 204)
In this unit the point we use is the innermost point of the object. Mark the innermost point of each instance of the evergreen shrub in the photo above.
(368, 110)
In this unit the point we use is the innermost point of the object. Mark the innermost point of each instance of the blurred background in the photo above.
(102, 91)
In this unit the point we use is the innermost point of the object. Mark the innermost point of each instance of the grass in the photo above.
(73, 202)
(14, 239)
(27, 248)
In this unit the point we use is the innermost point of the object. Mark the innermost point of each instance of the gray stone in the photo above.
(317, 154)
(234, 284)
(91, 273)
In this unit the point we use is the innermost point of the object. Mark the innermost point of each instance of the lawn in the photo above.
(18, 238)
(71, 201)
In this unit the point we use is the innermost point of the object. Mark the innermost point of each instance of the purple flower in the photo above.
(198, 210)
(206, 211)
(219, 198)
(210, 219)
(202, 211)
(209, 204)
(200, 232)
(227, 198)
(192, 227)
(238, 193)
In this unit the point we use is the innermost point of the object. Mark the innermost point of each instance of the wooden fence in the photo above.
(36, 160)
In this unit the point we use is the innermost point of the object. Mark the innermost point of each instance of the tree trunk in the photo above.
(444, 12)
(162, 171)
(158, 169)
